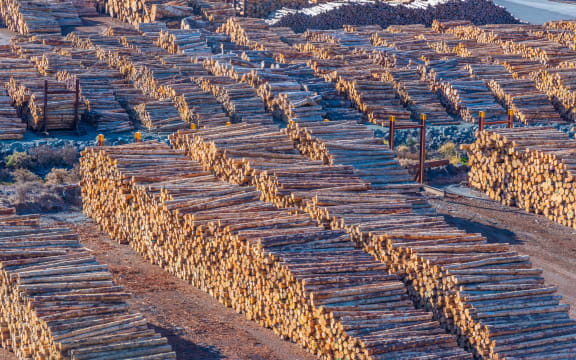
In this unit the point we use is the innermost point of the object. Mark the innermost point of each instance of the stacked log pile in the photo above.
(86, 7)
(161, 81)
(262, 9)
(335, 15)
(96, 84)
(28, 96)
(557, 84)
(416, 95)
(146, 11)
(239, 99)
(58, 302)
(434, 256)
(262, 156)
(300, 106)
(28, 17)
(265, 264)
(528, 168)
(11, 126)
(184, 42)
(529, 105)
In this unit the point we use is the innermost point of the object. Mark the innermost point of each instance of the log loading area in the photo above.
(246, 166)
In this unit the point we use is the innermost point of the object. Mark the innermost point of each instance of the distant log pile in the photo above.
(96, 85)
(28, 17)
(58, 302)
(533, 169)
(145, 11)
(183, 42)
(529, 42)
(240, 100)
(346, 306)
(166, 81)
(327, 16)
(28, 96)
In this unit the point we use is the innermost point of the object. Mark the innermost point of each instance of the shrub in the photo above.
(448, 150)
(18, 160)
(25, 176)
(63, 176)
(44, 156)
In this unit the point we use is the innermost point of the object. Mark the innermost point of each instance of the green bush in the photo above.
(18, 160)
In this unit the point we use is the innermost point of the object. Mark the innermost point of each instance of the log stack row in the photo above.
(334, 15)
(56, 58)
(265, 263)
(28, 17)
(29, 97)
(145, 11)
(529, 43)
(184, 42)
(58, 302)
(166, 80)
(490, 296)
(529, 168)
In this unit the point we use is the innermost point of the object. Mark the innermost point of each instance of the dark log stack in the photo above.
(327, 16)
(58, 302)
(263, 263)
(529, 168)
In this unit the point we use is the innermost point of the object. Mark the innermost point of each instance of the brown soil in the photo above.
(551, 247)
(196, 325)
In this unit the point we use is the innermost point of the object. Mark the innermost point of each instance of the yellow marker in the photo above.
(326, 120)
(482, 114)
(392, 118)
(192, 126)
(228, 123)
(423, 117)
(100, 139)
(510, 112)
(137, 136)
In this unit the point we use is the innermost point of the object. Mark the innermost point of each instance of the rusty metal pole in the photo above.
(422, 148)
(45, 104)
(392, 130)
(76, 104)
(510, 124)
(481, 120)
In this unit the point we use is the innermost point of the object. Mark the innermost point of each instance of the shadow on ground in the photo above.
(492, 233)
(187, 350)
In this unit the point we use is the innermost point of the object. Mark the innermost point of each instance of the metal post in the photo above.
(481, 120)
(100, 139)
(45, 104)
(137, 136)
(76, 104)
(422, 148)
(392, 130)
(510, 124)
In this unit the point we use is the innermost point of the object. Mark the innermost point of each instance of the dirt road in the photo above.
(551, 247)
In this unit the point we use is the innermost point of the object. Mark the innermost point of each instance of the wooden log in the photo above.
(61, 303)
